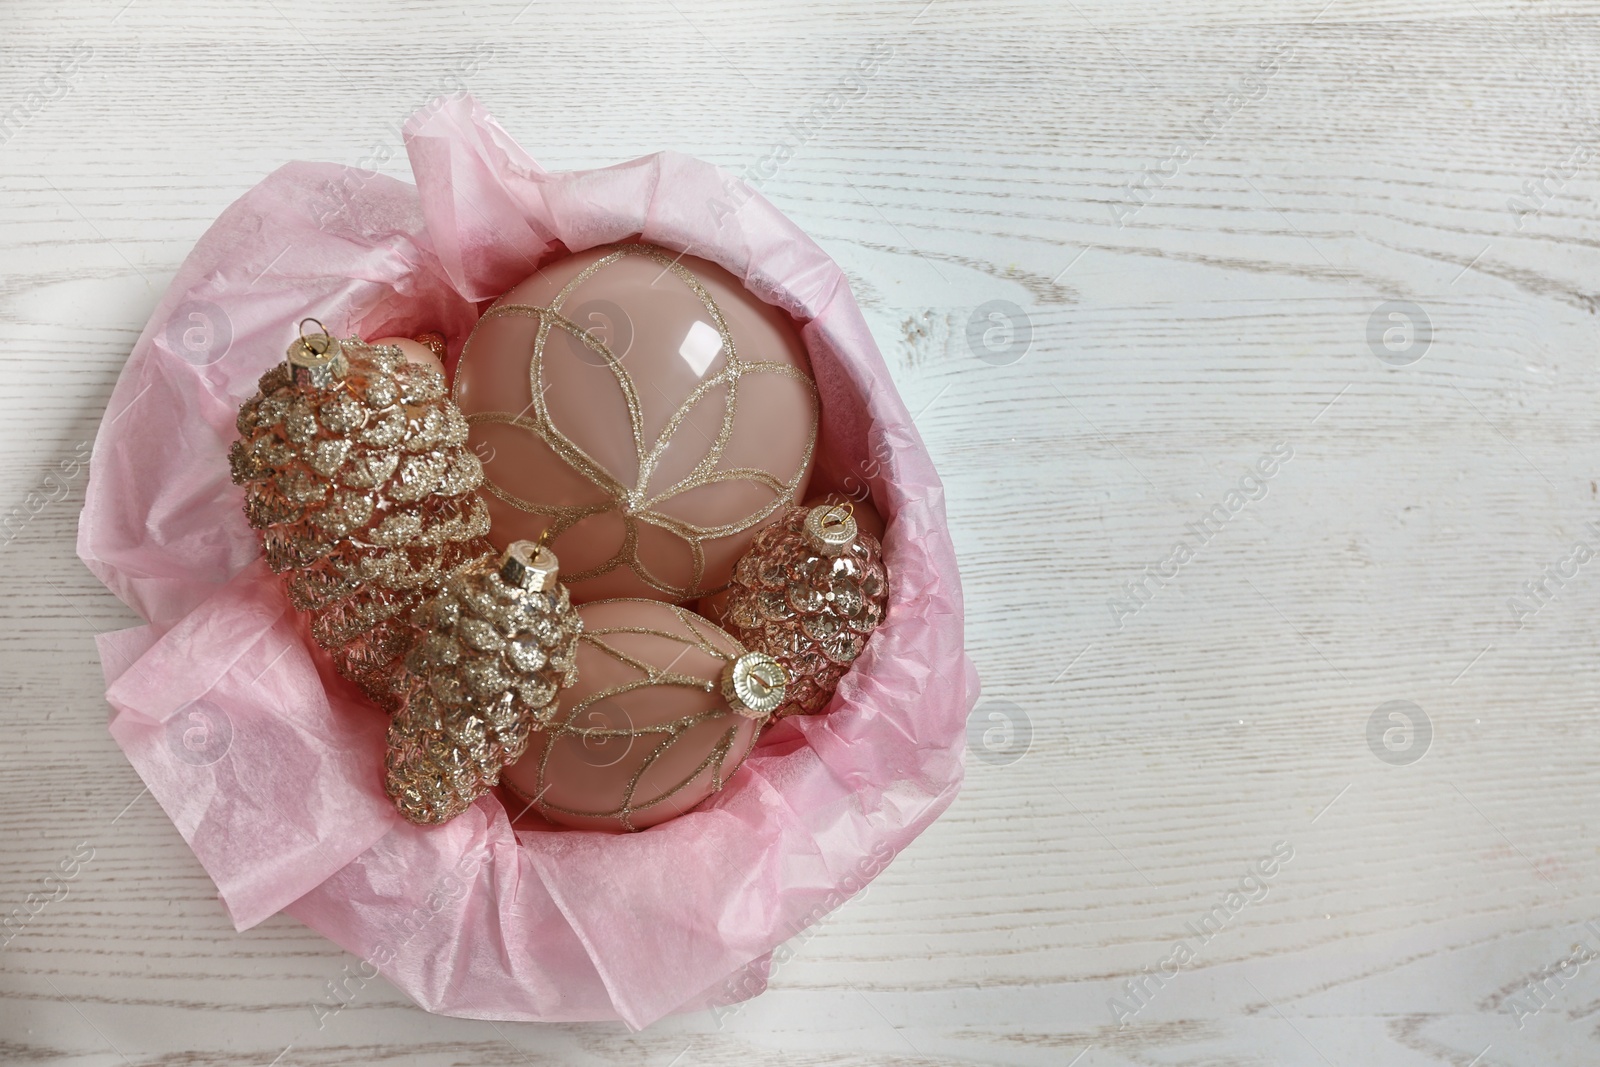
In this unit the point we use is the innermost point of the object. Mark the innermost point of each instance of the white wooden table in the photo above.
(1381, 254)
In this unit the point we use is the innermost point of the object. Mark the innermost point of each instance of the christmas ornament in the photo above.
(809, 593)
(665, 708)
(356, 472)
(868, 521)
(499, 645)
(647, 410)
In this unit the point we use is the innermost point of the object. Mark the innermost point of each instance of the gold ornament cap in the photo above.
(830, 529)
(318, 360)
(433, 341)
(529, 565)
(754, 685)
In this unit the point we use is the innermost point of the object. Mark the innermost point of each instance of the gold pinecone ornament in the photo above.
(356, 472)
(809, 592)
(500, 646)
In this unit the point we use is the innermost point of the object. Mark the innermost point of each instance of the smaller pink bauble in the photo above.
(646, 733)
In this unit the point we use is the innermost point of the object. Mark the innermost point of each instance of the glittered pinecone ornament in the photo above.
(809, 592)
(501, 637)
(356, 472)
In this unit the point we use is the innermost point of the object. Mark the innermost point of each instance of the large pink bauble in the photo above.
(648, 408)
(645, 734)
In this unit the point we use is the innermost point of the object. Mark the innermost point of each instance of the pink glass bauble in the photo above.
(648, 408)
(646, 733)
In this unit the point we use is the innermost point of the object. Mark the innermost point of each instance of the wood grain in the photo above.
(987, 160)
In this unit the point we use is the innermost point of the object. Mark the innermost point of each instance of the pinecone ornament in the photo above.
(356, 472)
(809, 592)
(500, 646)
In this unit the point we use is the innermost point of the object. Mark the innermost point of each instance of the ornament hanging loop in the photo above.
(316, 360)
(839, 514)
(317, 340)
(830, 529)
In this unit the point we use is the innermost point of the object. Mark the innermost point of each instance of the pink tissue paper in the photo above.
(270, 766)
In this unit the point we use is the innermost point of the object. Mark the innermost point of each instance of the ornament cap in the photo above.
(317, 360)
(433, 341)
(830, 529)
(529, 565)
(754, 685)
